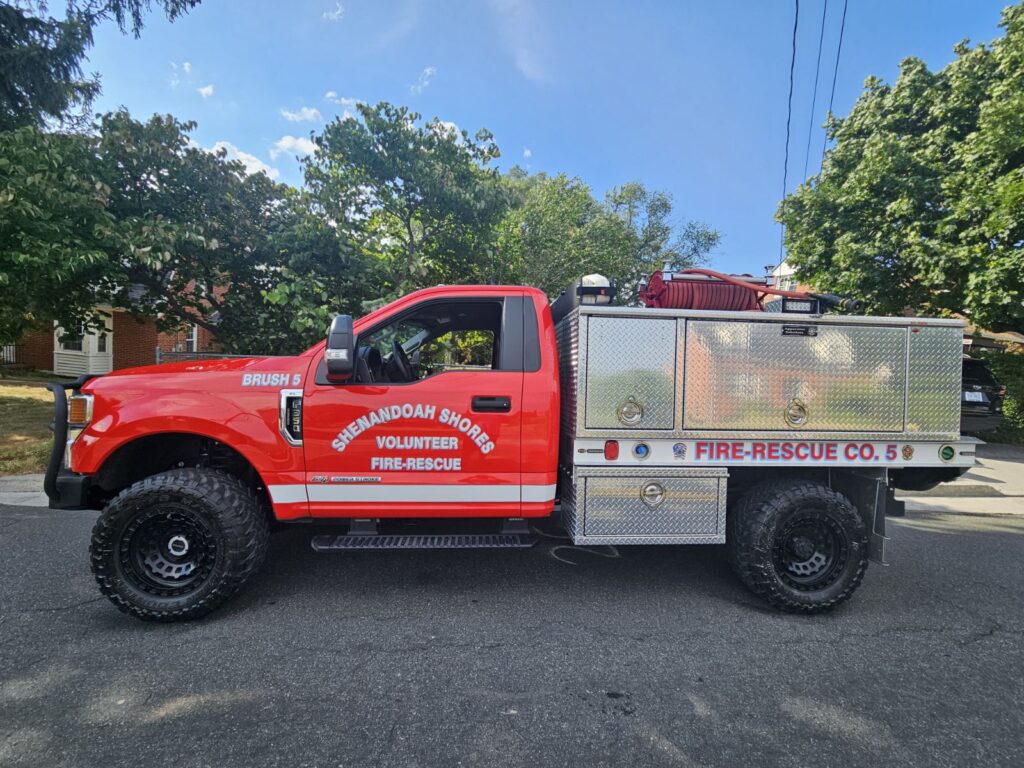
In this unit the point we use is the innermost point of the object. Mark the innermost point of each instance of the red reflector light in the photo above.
(611, 449)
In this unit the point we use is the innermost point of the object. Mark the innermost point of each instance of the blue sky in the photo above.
(689, 97)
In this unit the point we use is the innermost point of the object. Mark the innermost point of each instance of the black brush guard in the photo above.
(64, 488)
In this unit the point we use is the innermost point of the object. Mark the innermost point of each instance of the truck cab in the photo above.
(450, 410)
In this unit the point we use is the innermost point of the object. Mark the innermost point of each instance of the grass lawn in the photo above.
(26, 410)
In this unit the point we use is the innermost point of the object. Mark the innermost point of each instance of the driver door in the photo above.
(444, 442)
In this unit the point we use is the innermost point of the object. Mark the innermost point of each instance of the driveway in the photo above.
(549, 656)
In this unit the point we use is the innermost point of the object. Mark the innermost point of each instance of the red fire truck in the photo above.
(455, 416)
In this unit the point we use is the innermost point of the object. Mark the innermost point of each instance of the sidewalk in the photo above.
(995, 486)
(22, 491)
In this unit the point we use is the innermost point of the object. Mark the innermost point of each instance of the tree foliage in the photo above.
(920, 203)
(557, 230)
(136, 216)
(41, 57)
(418, 197)
(54, 230)
(200, 240)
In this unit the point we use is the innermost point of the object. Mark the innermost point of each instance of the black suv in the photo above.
(981, 398)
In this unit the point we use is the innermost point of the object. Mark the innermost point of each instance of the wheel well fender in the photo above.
(148, 455)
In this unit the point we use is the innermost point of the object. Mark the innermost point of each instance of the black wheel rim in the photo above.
(811, 550)
(168, 551)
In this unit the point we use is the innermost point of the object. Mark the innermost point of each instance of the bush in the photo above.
(1008, 370)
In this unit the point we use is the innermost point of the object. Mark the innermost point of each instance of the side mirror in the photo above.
(341, 348)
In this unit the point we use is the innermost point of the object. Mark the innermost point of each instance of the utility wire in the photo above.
(835, 71)
(789, 118)
(814, 98)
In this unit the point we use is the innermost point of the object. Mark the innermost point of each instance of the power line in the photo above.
(835, 71)
(814, 98)
(789, 118)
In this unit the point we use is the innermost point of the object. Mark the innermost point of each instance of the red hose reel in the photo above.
(707, 289)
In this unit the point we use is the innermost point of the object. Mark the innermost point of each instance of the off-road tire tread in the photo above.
(245, 532)
(750, 518)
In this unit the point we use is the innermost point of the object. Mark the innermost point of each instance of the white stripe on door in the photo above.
(453, 494)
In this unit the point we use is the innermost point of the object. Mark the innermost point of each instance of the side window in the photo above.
(431, 339)
(458, 350)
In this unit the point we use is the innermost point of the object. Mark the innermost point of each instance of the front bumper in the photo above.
(72, 491)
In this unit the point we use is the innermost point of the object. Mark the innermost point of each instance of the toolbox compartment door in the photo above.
(630, 380)
(769, 376)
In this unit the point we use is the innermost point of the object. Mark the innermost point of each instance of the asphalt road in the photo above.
(518, 659)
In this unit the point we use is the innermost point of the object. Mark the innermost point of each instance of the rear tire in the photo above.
(800, 545)
(176, 545)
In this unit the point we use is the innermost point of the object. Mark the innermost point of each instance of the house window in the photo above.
(192, 338)
(101, 343)
(72, 341)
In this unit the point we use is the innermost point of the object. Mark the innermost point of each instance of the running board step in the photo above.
(332, 543)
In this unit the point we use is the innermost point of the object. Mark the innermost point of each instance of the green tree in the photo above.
(41, 57)
(55, 229)
(418, 197)
(135, 216)
(308, 273)
(655, 237)
(557, 231)
(920, 203)
(200, 240)
(187, 220)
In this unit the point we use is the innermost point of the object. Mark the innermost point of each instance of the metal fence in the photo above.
(12, 354)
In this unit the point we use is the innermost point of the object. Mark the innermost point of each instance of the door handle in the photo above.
(492, 404)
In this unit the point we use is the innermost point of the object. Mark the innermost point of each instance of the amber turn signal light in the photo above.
(79, 409)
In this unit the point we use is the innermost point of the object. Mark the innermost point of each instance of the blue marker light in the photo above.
(641, 450)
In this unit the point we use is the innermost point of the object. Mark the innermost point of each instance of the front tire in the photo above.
(176, 545)
(800, 545)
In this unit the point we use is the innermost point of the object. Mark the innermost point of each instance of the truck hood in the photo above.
(195, 366)
(206, 375)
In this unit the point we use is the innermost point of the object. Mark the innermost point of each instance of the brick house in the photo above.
(783, 277)
(127, 342)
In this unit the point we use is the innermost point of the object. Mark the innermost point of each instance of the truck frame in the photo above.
(455, 415)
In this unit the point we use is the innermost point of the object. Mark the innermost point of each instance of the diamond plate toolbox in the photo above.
(631, 373)
(658, 506)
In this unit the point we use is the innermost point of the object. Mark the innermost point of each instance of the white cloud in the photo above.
(206, 91)
(180, 73)
(337, 14)
(252, 163)
(527, 153)
(423, 81)
(303, 115)
(522, 34)
(292, 145)
(347, 104)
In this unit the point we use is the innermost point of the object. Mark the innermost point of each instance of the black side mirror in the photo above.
(341, 348)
